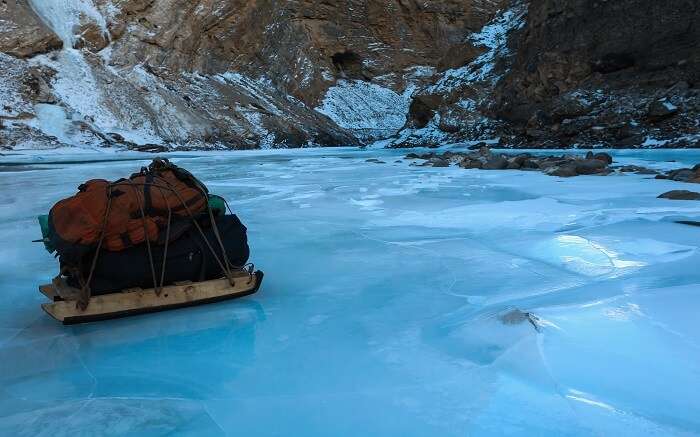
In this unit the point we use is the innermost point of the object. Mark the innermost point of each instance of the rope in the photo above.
(229, 275)
(227, 207)
(225, 266)
(225, 269)
(84, 298)
(145, 237)
(167, 239)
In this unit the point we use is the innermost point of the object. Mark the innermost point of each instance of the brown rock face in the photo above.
(302, 46)
(245, 73)
(22, 34)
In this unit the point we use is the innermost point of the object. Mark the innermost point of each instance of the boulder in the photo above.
(529, 164)
(439, 162)
(496, 163)
(589, 166)
(680, 195)
(681, 175)
(661, 109)
(549, 162)
(485, 151)
(91, 37)
(468, 163)
(513, 164)
(150, 148)
(478, 146)
(636, 169)
(648, 171)
(564, 171)
(602, 156)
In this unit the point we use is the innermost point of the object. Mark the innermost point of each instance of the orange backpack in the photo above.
(121, 214)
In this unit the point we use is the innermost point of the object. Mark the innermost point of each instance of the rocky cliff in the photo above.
(619, 73)
(156, 74)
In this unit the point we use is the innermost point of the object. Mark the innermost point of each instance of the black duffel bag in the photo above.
(188, 259)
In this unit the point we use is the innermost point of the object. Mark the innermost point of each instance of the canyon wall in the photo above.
(232, 74)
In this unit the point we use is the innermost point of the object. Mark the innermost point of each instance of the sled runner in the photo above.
(65, 308)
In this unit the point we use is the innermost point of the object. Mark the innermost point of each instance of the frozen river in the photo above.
(389, 307)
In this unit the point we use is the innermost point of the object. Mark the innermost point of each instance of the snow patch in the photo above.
(367, 109)
(52, 120)
(653, 142)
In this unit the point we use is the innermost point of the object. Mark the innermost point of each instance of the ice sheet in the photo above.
(398, 300)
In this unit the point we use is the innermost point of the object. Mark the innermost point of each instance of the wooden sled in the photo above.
(138, 301)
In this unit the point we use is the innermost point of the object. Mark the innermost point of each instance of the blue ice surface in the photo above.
(390, 306)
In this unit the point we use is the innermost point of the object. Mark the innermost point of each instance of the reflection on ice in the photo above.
(399, 300)
(584, 256)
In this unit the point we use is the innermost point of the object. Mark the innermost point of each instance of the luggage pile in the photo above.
(159, 227)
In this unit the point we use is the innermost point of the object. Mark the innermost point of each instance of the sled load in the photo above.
(154, 241)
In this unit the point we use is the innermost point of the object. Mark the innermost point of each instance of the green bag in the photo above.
(217, 204)
(45, 234)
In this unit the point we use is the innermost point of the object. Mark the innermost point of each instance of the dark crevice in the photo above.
(349, 64)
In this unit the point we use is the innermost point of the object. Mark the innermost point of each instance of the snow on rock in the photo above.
(142, 104)
(464, 89)
(98, 97)
(12, 70)
(430, 134)
(257, 88)
(493, 38)
(75, 84)
(368, 110)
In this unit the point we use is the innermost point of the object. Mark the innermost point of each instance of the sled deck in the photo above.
(138, 301)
